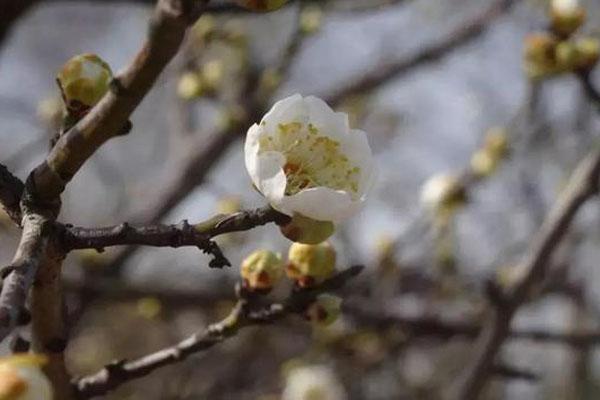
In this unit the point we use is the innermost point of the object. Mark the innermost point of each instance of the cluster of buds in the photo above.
(21, 378)
(216, 57)
(557, 51)
(485, 160)
(307, 266)
(205, 80)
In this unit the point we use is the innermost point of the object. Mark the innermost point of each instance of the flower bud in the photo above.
(311, 19)
(443, 193)
(483, 164)
(306, 230)
(189, 86)
(325, 310)
(496, 142)
(566, 16)
(539, 55)
(566, 56)
(212, 74)
(261, 5)
(261, 270)
(83, 80)
(21, 378)
(588, 53)
(309, 264)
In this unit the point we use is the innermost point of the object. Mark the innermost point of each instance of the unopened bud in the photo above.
(309, 264)
(325, 310)
(306, 230)
(540, 55)
(566, 16)
(83, 80)
(189, 86)
(261, 270)
(588, 53)
(443, 193)
(311, 19)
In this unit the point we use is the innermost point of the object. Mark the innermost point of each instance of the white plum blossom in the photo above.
(304, 158)
(314, 382)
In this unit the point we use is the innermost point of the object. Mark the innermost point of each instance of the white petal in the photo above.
(251, 148)
(271, 178)
(329, 123)
(323, 204)
(356, 148)
(290, 109)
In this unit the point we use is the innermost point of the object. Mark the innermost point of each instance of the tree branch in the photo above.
(182, 234)
(582, 186)
(20, 274)
(423, 326)
(242, 315)
(107, 119)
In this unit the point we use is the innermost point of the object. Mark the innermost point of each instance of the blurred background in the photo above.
(430, 82)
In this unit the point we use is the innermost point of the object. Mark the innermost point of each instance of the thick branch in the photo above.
(22, 271)
(11, 189)
(242, 315)
(582, 185)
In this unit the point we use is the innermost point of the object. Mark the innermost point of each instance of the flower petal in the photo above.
(251, 148)
(284, 111)
(323, 204)
(329, 123)
(269, 168)
(356, 147)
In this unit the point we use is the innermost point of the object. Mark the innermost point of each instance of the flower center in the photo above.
(312, 159)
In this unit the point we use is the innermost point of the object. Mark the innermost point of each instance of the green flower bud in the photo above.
(311, 19)
(261, 5)
(306, 230)
(189, 86)
(566, 16)
(588, 53)
(325, 310)
(261, 270)
(539, 59)
(83, 81)
(310, 264)
(496, 142)
(443, 194)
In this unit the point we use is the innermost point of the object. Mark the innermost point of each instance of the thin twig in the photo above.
(381, 74)
(241, 316)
